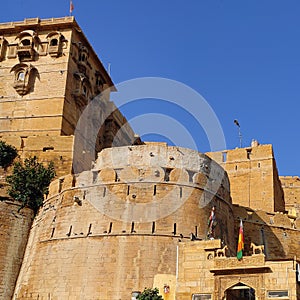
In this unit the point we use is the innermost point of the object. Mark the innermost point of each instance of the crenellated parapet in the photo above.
(164, 183)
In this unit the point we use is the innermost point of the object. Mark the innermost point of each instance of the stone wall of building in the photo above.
(39, 108)
(15, 226)
(291, 189)
(49, 75)
(278, 232)
(119, 224)
(253, 177)
(204, 272)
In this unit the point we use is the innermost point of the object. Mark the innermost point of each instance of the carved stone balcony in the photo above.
(21, 87)
(54, 51)
(25, 52)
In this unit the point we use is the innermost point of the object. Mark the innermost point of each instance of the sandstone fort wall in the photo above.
(15, 227)
(120, 226)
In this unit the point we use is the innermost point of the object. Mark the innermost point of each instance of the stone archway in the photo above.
(240, 291)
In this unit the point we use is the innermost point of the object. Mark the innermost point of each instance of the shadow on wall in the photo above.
(275, 231)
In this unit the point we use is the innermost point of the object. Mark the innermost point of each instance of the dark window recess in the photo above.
(95, 176)
(278, 294)
(110, 227)
(82, 57)
(154, 190)
(132, 227)
(128, 189)
(236, 167)
(153, 227)
(45, 149)
(104, 191)
(174, 229)
(70, 231)
(248, 153)
(224, 156)
(117, 178)
(191, 175)
(167, 174)
(26, 42)
(54, 42)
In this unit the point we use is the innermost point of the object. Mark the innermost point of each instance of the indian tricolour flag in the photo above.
(240, 246)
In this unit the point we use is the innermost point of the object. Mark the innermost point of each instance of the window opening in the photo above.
(224, 156)
(26, 42)
(54, 42)
(21, 76)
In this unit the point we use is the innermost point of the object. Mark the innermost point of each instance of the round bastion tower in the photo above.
(107, 232)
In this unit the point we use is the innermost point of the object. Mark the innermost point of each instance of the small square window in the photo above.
(201, 297)
(278, 294)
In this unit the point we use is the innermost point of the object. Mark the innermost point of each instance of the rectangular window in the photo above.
(248, 153)
(201, 297)
(224, 156)
(278, 294)
(191, 175)
(167, 173)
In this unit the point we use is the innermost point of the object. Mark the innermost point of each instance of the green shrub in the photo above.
(29, 182)
(7, 154)
(150, 294)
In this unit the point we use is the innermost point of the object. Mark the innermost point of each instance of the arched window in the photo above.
(26, 42)
(24, 78)
(21, 76)
(53, 42)
(82, 57)
(82, 54)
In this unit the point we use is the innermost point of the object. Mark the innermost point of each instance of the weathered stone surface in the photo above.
(15, 226)
(253, 177)
(123, 228)
(138, 215)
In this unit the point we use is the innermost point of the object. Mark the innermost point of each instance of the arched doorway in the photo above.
(240, 291)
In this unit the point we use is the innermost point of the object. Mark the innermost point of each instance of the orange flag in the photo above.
(71, 7)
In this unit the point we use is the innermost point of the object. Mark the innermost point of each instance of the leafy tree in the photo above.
(150, 294)
(7, 154)
(29, 182)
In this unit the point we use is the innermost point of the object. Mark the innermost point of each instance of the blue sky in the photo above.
(243, 57)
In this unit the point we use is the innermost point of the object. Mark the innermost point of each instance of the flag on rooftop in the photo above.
(71, 7)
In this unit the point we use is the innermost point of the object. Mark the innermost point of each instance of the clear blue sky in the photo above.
(243, 57)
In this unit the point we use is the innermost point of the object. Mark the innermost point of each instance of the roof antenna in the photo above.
(236, 122)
